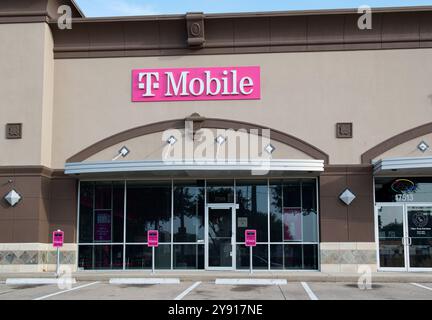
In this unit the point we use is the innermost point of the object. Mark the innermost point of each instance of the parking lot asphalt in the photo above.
(189, 290)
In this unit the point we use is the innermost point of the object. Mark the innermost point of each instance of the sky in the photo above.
(106, 8)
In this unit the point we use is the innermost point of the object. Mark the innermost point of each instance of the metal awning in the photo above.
(403, 166)
(198, 167)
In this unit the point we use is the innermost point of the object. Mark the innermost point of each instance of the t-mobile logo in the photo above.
(176, 84)
(146, 83)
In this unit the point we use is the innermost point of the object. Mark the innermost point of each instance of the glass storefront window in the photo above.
(188, 256)
(220, 191)
(293, 211)
(188, 224)
(148, 207)
(309, 211)
(294, 256)
(177, 209)
(138, 256)
(259, 257)
(403, 189)
(252, 198)
(86, 212)
(100, 257)
(101, 212)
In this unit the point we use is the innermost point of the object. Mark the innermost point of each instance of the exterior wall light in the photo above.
(123, 152)
(220, 140)
(171, 140)
(423, 146)
(347, 197)
(13, 198)
(270, 148)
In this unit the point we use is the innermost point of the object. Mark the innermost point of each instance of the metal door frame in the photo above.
(406, 239)
(217, 206)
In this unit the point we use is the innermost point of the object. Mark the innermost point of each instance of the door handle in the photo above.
(409, 241)
(403, 240)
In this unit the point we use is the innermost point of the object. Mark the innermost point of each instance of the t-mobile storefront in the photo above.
(201, 223)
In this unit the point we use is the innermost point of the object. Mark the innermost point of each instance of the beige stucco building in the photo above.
(340, 111)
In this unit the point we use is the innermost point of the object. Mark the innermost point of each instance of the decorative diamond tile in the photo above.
(9, 258)
(24, 258)
(347, 197)
(13, 198)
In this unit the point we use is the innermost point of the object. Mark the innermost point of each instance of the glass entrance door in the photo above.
(404, 233)
(220, 237)
(419, 222)
(391, 237)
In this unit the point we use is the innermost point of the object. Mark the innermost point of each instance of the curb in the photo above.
(144, 281)
(36, 281)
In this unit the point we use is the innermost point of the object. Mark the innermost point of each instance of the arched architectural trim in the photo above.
(394, 141)
(204, 123)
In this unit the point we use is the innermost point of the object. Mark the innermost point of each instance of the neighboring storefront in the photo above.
(299, 125)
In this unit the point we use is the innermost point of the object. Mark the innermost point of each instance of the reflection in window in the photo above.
(188, 225)
(100, 257)
(294, 256)
(252, 198)
(101, 212)
(293, 212)
(220, 191)
(148, 208)
(259, 257)
(188, 256)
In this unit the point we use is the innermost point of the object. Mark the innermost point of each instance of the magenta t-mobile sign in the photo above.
(182, 84)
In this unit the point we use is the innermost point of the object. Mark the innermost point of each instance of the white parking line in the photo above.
(184, 293)
(64, 291)
(309, 291)
(421, 286)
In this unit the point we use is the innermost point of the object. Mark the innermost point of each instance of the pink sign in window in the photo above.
(183, 84)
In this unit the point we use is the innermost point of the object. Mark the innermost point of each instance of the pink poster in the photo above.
(102, 229)
(189, 84)
(292, 222)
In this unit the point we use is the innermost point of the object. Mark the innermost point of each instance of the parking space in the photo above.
(29, 292)
(105, 291)
(208, 290)
(379, 291)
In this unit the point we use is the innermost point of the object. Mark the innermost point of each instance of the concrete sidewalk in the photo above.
(105, 276)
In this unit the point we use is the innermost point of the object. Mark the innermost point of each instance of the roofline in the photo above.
(77, 7)
(250, 14)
